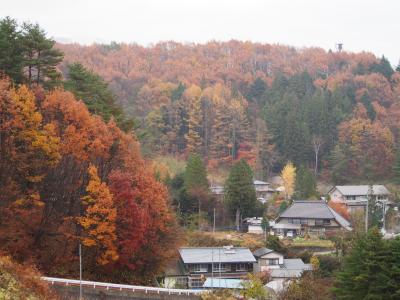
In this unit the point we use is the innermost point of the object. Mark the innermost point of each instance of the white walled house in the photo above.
(267, 259)
(355, 197)
(254, 225)
(263, 190)
(278, 266)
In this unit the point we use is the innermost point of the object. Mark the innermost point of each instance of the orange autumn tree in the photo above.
(368, 146)
(98, 222)
(29, 149)
(340, 208)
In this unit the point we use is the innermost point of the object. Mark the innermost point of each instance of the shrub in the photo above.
(20, 282)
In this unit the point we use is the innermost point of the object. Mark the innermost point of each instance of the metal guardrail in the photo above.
(121, 287)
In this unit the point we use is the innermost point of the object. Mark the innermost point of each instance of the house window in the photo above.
(296, 221)
(241, 267)
(290, 221)
(199, 268)
(272, 261)
(304, 221)
(320, 222)
(181, 281)
(196, 283)
(221, 267)
(351, 197)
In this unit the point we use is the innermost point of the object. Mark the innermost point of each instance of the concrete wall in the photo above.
(72, 293)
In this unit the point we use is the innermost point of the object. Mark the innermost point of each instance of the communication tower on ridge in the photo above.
(339, 47)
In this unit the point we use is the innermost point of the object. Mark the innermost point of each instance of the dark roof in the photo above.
(262, 251)
(313, 209)
(308, 209)
(198, 255)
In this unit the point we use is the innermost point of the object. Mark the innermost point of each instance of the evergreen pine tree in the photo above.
(305, 186)
(257, 90)
(396, 168)
(366, 101)
(195, 176)
(94, 91)
(11, 51)
(394, 263)
(366, 270)
(384, 67)
(40, 56)
(240, 194)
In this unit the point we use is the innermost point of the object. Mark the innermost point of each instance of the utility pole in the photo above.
(384, 215)
(212, 267)
(219, 254)
(366, 216)
(369, 195)
(80, 271)
(214, 222)
(199, 217)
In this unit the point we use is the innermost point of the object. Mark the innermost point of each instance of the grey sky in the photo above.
(368, 25)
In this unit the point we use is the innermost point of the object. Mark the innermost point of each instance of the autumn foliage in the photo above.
(340, 208)
(267, 104)
(22, 282)
(69, 177)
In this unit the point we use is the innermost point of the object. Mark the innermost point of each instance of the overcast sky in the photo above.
(368, 25)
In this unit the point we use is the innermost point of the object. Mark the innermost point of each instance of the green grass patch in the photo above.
(302, 242)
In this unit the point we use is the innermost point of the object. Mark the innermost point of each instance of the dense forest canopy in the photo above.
(265, 103)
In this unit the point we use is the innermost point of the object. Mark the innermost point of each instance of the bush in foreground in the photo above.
(20, 282)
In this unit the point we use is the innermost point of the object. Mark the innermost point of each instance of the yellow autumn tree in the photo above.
(193, 138)
(288, 176)
(98, 222)
(36, 145)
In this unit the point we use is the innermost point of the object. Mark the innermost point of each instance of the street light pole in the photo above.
(80, 271)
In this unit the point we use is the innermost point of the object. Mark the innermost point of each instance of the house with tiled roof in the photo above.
(309, 216)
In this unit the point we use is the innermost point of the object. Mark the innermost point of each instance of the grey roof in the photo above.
(342, 221)
(285, 273)
(259, 182)
(295, 264)
(360, 190)
(262, 251)
(314, 210)
(197, 255)
(308, 209)
(223, 283)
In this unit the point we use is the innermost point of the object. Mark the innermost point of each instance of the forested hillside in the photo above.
(335, 112)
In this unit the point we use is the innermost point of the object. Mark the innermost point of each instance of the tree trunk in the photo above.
(237, 219)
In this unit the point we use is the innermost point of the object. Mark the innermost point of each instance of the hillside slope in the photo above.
(265, 103)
